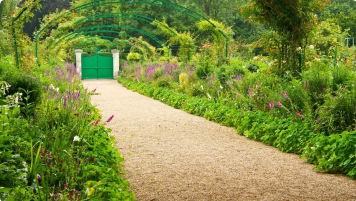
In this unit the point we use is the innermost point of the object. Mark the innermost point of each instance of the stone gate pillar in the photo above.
(78, 57)
(116, 60)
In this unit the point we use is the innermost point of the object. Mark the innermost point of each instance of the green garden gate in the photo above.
(97, 67)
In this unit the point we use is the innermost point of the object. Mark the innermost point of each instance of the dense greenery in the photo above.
(280, 73)
(61, 149)
(334, 153)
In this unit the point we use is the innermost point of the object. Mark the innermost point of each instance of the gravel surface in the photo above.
(172, 155)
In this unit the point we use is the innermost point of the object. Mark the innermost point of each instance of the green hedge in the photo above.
(335, 153)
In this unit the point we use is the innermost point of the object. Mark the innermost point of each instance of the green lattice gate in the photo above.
(97, 67)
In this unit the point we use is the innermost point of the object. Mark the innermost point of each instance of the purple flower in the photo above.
(39, 178)
(94, 91)
(66, 185)
(305, 86)
(218, 91)
(279, 103)
(271, 105)
(238, 77)
(112, 116)
(55, 196)
(285, 95)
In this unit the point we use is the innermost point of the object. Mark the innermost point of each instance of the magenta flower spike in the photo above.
(110, 118)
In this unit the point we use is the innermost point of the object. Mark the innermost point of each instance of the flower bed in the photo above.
(61, 150)
(335, 153)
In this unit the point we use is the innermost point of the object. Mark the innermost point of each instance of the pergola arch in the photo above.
(162, 3)
(86, 30)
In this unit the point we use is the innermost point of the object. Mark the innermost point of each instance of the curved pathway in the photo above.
(172, 155)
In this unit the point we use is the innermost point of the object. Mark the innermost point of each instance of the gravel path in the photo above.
(172, 155)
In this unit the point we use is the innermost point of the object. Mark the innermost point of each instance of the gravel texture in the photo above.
(172, 155)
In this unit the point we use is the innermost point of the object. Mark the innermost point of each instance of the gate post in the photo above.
(116, 62)
(78, 57)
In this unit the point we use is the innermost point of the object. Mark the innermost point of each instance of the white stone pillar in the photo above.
(78, 56)
(116, 60)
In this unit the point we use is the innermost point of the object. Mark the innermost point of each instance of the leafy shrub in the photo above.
(341, 77)
(133, 56)
(184, 80)
(338, 112)
(334, 153)
(317, 81)
(158, 73)
(164, 81)
(203, 70)
(28, 85)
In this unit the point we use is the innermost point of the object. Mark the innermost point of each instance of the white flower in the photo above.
(57, 89)
(221, 87)
(76, 139)
(208, 96)
(311, 46)
(51, 86)
(201, 86)
(299, 48)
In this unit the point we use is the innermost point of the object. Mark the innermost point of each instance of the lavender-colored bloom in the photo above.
(39, 178)
(55, 196)
(218, 91)
(305, 86)
(238, 77)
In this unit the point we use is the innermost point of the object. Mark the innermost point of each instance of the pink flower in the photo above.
(112, 116)
(305, 86)
(279, 103)
(249, 91)
(66, 185)
(218, 91)
(271, 105)
(94, 91)
(285, 95)
(299, 114)
(237, 95)
(95, 123)
(238, 77)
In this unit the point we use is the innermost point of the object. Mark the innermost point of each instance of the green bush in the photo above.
(203, 70)
(29, 86)
(338, 112)
(317, 81)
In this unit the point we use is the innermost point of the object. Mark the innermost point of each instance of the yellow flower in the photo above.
(91, 191)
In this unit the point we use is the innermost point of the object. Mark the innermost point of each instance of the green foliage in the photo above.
(330, 153)
(338, 112)
(335, 153)
(134, 56)
(292, 21)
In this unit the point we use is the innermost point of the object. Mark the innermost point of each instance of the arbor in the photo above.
(292, 20)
